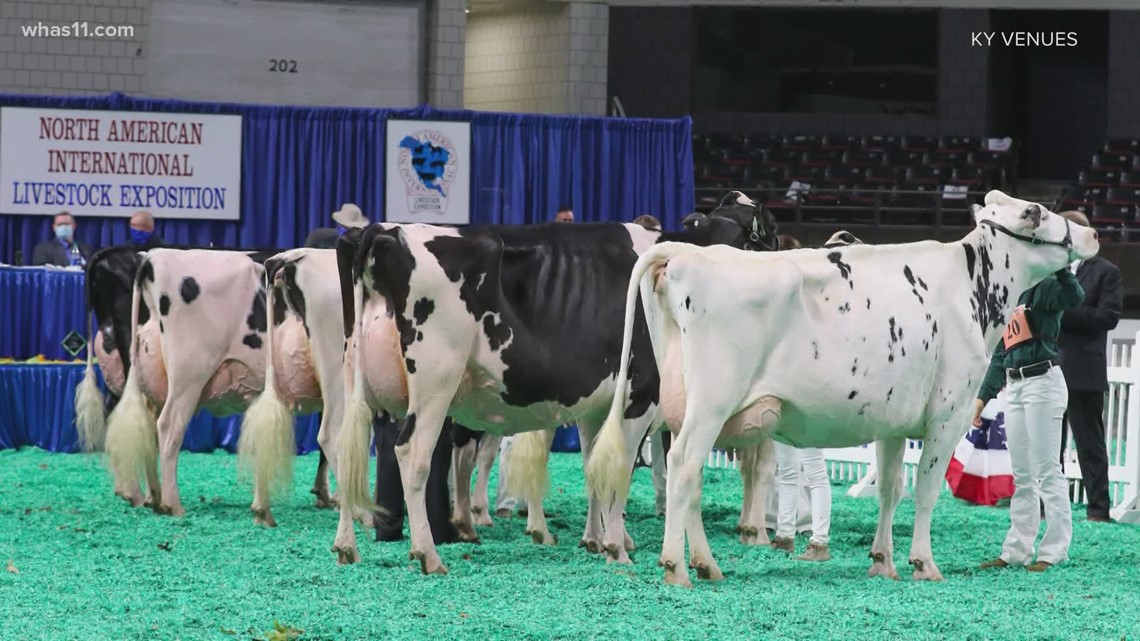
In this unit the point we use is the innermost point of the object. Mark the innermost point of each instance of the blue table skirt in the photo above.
(38, 308)
(37, 407)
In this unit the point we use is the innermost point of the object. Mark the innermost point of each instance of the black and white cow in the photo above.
(507, 329)
(110, 277)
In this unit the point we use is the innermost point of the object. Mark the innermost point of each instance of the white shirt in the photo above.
(1074, 266)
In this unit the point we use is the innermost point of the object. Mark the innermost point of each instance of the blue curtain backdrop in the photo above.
(299, 164)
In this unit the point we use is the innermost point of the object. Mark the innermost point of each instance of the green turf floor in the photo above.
(91, 568)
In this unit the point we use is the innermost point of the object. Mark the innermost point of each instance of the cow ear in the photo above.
(1032, 216)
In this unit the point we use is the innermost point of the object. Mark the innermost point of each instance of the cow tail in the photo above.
(607, 475)
(526, 471)
(266, 444)
(132, 430)
(356, 430)
(90, 415)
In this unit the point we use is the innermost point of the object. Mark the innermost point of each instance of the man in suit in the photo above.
(63, 250)
(142, 231)
(1083, 346)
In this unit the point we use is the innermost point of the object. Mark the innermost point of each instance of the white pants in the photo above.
(657, 463)
(1033, 437)
(504, 501)
(788, 462)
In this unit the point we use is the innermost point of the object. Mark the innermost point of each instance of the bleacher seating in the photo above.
(842, 177)
(1108, 191)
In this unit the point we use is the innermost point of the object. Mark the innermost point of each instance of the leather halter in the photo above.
(1064, 243)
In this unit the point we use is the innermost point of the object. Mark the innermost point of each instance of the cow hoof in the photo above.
(503, 513)
(751, 535)
(882, 567)
(429, 563)
(325, 503)
(543, 538)
(629, 546)
(484, 520)
(164, 510)
(707, 570)
(465, 532)
(263, 517)
(135, 501)
(346, 555)
(592, 546)
(673, 577)
(925, 570)
(617, 554)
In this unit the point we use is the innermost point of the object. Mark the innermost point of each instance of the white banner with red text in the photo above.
(114, 163)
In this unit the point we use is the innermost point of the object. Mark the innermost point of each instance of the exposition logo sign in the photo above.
(113, 163)
(428, 172)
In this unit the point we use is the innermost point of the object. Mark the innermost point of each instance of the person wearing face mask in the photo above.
(63, 250)
(142, 231)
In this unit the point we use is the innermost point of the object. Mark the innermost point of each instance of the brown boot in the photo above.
(1040, 566)
(994, 563)
(815, 552)
(784, 544)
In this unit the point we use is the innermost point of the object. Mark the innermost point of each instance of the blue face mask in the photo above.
(139, 237)
(340, 229)
(63, 232)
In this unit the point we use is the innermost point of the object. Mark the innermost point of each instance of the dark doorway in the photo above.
(1052, 99)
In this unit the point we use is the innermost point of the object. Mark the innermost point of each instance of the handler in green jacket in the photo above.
(1024, 362)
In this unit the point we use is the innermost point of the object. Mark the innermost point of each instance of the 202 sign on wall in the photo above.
(283, 66)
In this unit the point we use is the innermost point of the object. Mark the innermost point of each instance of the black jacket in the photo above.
(51, 252)
(1084, 330)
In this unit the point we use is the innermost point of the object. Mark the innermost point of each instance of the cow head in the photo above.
(753, 227)
(1048, 241)
(842, 238)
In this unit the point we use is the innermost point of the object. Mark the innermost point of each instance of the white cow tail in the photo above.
(266, 444)
(90, 417)
(356, 431)
(527, 473)
(607, 476)
(132, 431)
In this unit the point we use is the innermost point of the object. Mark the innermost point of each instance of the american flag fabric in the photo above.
(980, 471)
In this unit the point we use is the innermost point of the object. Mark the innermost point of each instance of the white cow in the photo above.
(829, 348)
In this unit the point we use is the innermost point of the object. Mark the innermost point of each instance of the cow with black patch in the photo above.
(110, 277)
(202, 347)
(507, 330)
(307, 347)
(793, 381)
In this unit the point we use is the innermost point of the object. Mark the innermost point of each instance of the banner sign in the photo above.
(114, 163)
(428, 172)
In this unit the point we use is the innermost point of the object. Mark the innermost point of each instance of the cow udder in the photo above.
(109, 363)
(296, 376)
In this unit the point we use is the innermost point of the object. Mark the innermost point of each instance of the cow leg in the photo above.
(463, 463)
(414, 447)
(762, 460)
(485, 453)
(618, 544)
(172, 422)
(321, 482)
(889, 463)
(747, 464)
(937, 449)
(592, 537)
(700, 554)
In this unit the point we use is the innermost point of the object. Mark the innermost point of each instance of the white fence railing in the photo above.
(1122, 436)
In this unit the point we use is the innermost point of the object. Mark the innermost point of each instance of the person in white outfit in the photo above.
(789, 461)
(1024, 362)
